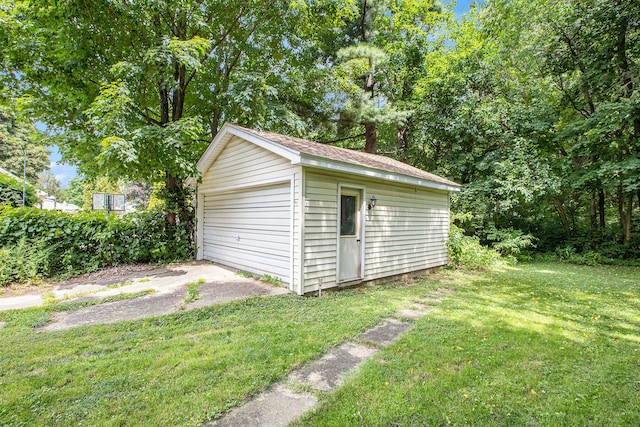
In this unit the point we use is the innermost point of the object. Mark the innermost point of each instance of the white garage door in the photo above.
(250, 230)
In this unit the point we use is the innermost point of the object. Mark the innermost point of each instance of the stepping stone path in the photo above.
(284, 402)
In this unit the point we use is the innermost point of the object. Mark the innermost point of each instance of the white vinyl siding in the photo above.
(260, 213)
(320, 231)
(406, 231)
(242, 164)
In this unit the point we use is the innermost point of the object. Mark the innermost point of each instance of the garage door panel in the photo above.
(255, 263)
(253, 245)
(249, 198)
(276, 237)
(248, 217)
(250, 229)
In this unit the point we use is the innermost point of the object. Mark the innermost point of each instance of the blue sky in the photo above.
(65, 173)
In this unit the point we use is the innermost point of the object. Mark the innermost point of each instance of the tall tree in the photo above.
(590, 49)
(370, 63)
(19, 142)
(142, 102)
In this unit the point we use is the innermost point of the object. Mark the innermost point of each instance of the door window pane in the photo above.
(348, 215)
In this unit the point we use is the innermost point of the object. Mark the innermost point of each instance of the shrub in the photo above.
(11, 192)
(86, 241)
(468, 252)
(25, 262)
(569, 254)
(509, 241)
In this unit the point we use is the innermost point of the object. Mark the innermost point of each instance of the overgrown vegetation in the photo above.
(193, 290)
(37, 244)
(11, 192)
(536, 344)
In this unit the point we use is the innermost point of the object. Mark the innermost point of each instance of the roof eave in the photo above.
(333, 165)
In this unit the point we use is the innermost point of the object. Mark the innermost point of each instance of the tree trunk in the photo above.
(601, 208)
(627, 226)
(371, 138)
(593, 212)
(402, 139)
(625, 213)
(563, 217)
(171, 185)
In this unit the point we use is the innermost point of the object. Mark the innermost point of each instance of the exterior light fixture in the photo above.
(372, 202)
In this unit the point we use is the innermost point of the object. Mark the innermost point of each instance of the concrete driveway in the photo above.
(168, 284)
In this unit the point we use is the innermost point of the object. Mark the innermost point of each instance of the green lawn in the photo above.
(539, 344)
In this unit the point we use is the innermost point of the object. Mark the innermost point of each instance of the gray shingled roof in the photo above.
(345, 155)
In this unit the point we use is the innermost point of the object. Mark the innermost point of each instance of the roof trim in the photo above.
(296, 157)
(222, 138)
(334, 165)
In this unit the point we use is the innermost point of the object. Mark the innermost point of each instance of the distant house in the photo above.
(317, 216)
(50, 203)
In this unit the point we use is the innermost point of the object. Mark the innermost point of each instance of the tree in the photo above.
(75, 191)
(143, 102)
(485, 127)
(16, 137)
(50, 185)
(589, 48)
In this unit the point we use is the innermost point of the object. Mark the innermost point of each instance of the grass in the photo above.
(193, 291)
(536, 345)
(539, 344)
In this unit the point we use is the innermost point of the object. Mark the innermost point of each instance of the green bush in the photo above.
(467, 251)
(509, 241)
(569, 254)
(11, 192)
(54, 244)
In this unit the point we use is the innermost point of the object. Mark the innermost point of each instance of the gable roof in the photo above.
(314, 154)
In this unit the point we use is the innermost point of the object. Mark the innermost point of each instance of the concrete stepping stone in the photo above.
(408, 313)
(281, 405)
(2, 324)
(386, 332)
(276, 408)
(327, 373)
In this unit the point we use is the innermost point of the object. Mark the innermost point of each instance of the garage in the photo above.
(316, 216)
(250, 229)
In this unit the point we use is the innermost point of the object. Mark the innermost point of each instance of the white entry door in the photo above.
(350, 257)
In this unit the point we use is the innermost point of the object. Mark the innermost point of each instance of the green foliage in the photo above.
(85, 241)
(11, 192)
(26, 261)
(569, 254)
(267, 278)
(466, 251)
(509, 242)
(75, 191)
(17, 135)
(193, 290)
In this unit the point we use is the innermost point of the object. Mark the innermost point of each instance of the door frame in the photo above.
(361, 190)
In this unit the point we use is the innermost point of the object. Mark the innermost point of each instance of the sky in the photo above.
(65, 173)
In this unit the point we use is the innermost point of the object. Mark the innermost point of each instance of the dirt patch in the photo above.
(119, 274)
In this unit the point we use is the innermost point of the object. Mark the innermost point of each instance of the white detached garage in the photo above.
(317, 216)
